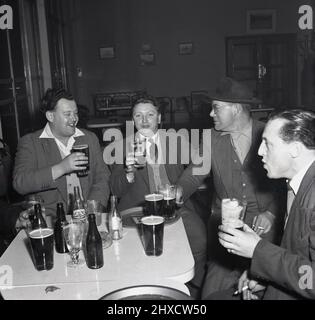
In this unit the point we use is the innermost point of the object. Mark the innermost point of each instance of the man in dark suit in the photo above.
(285, 271)
(131, 182)
(44, 163)
(237, 173)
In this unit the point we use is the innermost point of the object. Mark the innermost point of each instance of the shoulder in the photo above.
(31, 136)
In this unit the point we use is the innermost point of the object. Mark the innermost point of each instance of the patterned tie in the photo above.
(290, 199)
(153, 151)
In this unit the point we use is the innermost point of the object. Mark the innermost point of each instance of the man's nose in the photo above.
(212, 113)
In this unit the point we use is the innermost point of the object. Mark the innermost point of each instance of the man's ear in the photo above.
(50, 116)
(295, 149)
(159, 119)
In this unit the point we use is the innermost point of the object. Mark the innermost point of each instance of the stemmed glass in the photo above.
(73, 233)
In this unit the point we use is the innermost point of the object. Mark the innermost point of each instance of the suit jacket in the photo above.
(132, 194)
(32, 172)
(266, 190)
(282, 266)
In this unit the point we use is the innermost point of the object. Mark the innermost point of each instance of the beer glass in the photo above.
(153, 204)
(84, 148)
(169, 200)
(139, 148)
(232, 213)
(153, 234)
(42, 244)
(73, 233)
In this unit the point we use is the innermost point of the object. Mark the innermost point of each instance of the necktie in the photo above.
(290, 199)
(153, 151)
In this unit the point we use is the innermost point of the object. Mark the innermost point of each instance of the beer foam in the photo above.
(167, 198)
(152, 220)
(153, 197)
(80, 146)
(231, 203)
(40, 233)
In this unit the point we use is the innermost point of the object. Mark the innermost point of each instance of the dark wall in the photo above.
(128, 24)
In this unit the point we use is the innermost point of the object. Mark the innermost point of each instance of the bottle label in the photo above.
(79, 214)
(116, 223)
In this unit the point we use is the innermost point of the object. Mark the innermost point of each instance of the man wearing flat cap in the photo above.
(237, 173)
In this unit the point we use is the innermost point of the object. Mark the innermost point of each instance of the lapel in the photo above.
(299, 198)
(52, 156)
(221, 156)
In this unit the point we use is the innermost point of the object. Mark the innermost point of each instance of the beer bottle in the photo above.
(60, 243)
(94, 247)
(38, 221)
(115, 220)
(78, 206)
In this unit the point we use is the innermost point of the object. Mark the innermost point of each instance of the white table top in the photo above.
(125, 264)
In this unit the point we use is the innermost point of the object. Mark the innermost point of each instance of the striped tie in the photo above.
(290, 199)
(153, 151)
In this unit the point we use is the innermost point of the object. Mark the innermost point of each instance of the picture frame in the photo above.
(147, 58)
(261, 21)
(185, 48)
(107, 52)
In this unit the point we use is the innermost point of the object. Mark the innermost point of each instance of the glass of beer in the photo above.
(232, 213)
(153, 204)
(84, 148)
(73, 233)
(139, 152)
(42, 244)
(153, 234)
(169, 200)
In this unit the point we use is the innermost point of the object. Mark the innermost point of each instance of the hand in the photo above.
(263, 222)
(253, 286)
(242, 243)
(23, 221)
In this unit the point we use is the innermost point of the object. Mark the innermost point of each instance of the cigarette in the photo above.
(238, 292)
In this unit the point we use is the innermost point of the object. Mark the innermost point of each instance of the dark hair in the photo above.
(51, 98)
(146, 99)
(299, 126)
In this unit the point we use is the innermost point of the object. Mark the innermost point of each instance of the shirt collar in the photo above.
(154, 138)
(47, 133)
(295, 182)
(246, 131)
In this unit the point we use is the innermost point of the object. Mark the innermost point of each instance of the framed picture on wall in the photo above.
(185, 48)
(147, 59)
(107, 52)
(261, 21)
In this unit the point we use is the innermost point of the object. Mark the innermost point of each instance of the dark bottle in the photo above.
(38, 221)
(94, 247)
(60, 243)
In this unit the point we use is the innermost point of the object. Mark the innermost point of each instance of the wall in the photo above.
(128, 24)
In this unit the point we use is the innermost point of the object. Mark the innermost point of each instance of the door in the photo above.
(267, 64)
(55, 28)
(20, 76)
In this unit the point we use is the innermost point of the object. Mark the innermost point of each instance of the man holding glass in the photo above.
(45, 164)
(237, 173)
(135, 179)
(284, 272)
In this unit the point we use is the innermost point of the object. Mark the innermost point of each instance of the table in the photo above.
(125, 264)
